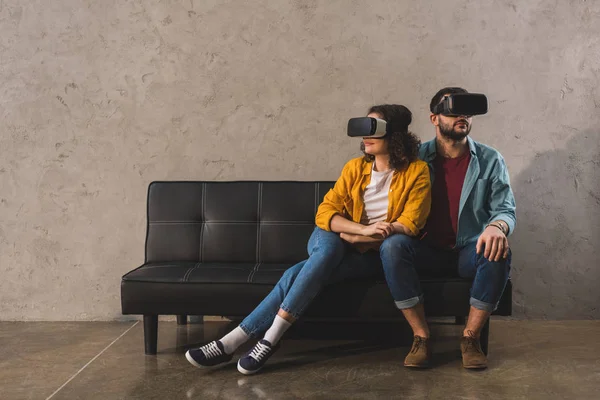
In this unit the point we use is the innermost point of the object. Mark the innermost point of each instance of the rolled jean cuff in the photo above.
(480, 305)
(248, 331)
(409, 303)
(289, 311)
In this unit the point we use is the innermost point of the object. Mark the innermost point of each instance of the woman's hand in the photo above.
(358, 239)
(379, 230)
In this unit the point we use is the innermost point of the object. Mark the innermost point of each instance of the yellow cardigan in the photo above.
(409, 197)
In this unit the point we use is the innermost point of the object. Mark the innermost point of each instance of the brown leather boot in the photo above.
(419, 354)
(472, 355)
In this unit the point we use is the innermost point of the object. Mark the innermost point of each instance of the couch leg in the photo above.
(459, 320)
(484, 337)
(150, 333)
(182, 320)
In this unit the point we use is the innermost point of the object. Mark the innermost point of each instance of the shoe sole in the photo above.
(417, 366)
(195, 363)
(245, 371)
(475, 366)
(192, 361)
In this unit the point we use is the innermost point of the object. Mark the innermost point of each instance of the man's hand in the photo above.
(495, 243)
(348, 237)
(379, 230)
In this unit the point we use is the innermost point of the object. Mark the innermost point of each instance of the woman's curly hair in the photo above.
(403, 145)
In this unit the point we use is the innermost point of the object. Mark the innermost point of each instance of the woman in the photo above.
(380, 201)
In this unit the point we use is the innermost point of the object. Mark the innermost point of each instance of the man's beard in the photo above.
(448, 132)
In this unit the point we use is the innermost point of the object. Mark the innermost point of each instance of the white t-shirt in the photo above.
(376, 196)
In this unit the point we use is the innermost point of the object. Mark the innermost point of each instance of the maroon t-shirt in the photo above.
(449, 176)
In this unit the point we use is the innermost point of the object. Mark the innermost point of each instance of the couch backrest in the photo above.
(245, 221)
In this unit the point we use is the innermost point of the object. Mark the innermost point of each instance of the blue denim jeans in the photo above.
(332, 260)
(489, 277)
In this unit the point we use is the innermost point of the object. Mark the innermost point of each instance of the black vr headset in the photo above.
(456, 104)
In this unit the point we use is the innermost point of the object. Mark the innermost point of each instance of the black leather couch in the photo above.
(217, 248)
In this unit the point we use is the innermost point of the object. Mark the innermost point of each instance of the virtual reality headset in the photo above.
(462, 104)
(367, 127)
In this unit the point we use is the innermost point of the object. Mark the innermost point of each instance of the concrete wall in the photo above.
(98, 98)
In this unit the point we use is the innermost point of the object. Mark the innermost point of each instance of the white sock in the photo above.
(234, 339)
(277, 330)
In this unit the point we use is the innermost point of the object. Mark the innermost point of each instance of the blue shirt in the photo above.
(486, 194)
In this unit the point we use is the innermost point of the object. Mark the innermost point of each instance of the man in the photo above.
(472, 213)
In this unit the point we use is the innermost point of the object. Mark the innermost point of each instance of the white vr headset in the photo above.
(367, 127)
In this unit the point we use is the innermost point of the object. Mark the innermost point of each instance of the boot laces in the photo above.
(417, 344)
(472, 343)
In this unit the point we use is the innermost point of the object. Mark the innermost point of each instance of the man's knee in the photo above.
(469, 269)
(502, 264)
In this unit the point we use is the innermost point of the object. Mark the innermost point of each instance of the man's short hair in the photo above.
(441, 93)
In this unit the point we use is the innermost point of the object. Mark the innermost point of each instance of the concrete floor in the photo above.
(89, 360)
